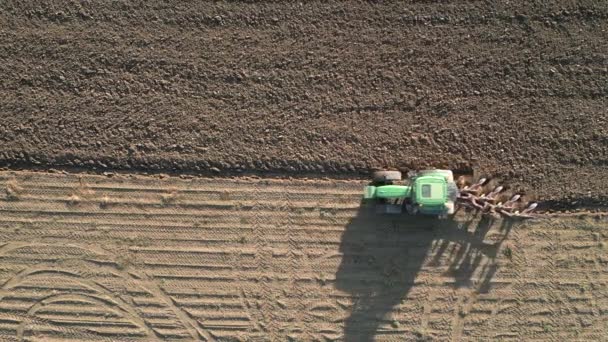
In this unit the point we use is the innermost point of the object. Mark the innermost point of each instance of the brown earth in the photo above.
(516, 90)
(133, 258)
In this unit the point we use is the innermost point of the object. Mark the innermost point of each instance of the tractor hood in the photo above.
(387, 191)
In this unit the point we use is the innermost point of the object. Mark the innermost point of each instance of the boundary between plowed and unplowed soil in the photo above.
(571, 206)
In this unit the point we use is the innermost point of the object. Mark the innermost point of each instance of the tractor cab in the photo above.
(429, 195)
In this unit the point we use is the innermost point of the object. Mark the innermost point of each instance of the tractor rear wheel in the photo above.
(386, 176)
(446, 173)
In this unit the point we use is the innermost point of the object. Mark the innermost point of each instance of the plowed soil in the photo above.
(145, 259)
(516, 90)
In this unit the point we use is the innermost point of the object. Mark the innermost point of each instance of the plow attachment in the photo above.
(493, 200)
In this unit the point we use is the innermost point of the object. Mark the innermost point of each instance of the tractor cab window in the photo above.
(426, 191)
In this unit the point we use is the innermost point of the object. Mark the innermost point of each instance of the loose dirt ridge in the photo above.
(131, 258)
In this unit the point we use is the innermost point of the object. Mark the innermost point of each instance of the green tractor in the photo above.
(435, 193)
(429, 192)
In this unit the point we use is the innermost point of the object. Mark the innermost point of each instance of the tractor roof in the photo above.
(430, 190)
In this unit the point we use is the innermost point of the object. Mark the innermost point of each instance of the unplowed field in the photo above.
(143, 259)
(517, 89)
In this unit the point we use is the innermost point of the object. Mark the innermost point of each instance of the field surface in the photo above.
(132, 258)
(516, 89)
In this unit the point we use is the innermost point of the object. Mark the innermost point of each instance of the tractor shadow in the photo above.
(382, 256)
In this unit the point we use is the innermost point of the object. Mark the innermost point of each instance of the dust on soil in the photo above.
(140, 259)
(515, 90)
